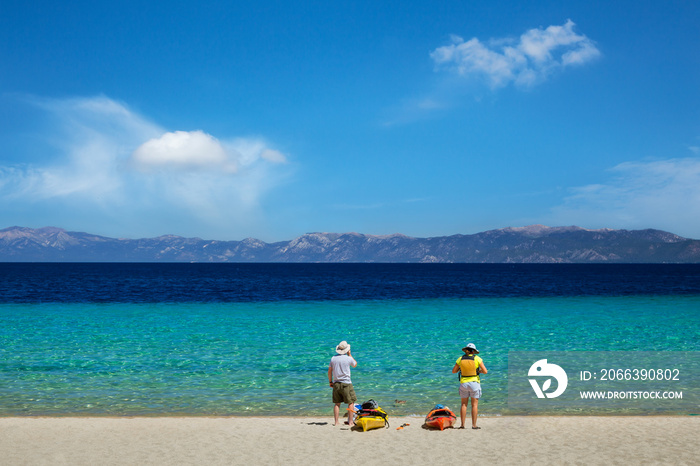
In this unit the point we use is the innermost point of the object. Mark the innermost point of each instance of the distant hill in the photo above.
(531, 244)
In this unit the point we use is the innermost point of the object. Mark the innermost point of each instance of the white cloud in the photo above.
(108, 162)
(662, 194)
(183, 150)
(196, 150)
(525, 62)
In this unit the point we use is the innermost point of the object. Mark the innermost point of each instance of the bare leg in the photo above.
(351, 415)
(336, 413)
(475, 410)
(463, 410)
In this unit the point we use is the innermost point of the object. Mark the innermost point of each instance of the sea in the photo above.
(176, 339)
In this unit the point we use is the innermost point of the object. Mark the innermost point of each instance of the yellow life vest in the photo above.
(469, 367)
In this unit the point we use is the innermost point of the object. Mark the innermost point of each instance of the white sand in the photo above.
(313, 440)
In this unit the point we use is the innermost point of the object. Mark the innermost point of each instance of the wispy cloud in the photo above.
(527, 61)
(112, 162)
(661, 194)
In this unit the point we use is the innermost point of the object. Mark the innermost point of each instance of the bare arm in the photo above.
(456, 369)
(354, 365)
(330, 375)
(482, 368)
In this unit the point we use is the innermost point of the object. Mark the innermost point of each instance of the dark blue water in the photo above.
(208, 283)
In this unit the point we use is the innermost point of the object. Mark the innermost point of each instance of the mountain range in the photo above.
(530, 244)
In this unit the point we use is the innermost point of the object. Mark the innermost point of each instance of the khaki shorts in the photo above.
(343, 393)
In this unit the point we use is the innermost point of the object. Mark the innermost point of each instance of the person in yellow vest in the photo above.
(470, 366)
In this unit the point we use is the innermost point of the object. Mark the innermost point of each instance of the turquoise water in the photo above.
(271, 358)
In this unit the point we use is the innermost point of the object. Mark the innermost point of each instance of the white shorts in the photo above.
(470, 390)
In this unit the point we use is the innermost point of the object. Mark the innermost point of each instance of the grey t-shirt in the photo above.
(340, 363)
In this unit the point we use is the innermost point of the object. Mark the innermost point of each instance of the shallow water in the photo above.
(271, 357)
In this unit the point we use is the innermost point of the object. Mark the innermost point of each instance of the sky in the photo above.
(271, 119)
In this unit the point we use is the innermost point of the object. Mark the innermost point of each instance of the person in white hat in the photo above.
(339, 379)
(470, 366)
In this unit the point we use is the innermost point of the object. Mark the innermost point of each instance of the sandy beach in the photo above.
(302, 440)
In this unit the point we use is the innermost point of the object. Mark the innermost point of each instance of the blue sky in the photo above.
(230, 120)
